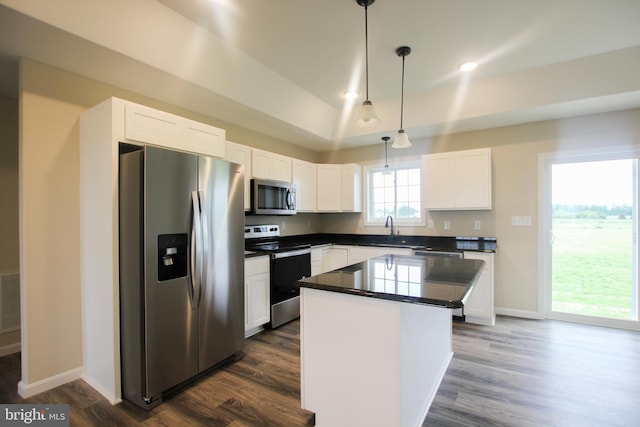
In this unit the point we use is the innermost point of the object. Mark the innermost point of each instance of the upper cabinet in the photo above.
(305, 179)
(266, 165)
(151, 126)
(339, 188)
(459, 180)
(241, 154)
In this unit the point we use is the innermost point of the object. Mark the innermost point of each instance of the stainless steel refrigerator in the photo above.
(181, 268)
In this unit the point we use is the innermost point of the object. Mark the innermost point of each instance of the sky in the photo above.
(593, 183)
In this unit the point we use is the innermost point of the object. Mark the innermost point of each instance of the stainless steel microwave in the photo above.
(272, 197)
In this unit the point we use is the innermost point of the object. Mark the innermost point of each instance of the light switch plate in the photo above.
(521, 221)
(447, 225)
(476, 224)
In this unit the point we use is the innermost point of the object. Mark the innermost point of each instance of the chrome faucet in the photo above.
(386, 225)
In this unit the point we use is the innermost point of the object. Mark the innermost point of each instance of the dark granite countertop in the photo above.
(436, 243)
(445, 282)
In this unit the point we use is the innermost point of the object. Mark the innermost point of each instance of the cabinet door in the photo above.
(203, 139)
(260, 164)
(316, 261)
(257, 293)
(351, 188)
(473, 179)
(151, 126)
(334, 258)
(438, 181)
(329, 188)
(281, 168)
(259, 308)
(241, 154)
(266, 165)
(480, 306)
(305, 180)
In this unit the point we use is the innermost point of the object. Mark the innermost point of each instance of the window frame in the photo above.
(368, 198)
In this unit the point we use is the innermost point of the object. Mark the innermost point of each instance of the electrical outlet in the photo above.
(430, 223)
(476, 224)
(447, 225)
(521, 221)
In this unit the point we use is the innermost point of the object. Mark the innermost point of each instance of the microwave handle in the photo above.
(290, 200)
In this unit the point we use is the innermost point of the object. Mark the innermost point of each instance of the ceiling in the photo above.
(280, 67)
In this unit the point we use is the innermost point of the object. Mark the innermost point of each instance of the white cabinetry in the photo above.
(241, 154)
(102, 128)
(150, 126)
(256, 294)
(480, 306)
(305, 178)
(351, 187)
(316, 261)
(334, 257)
(459, 180)
(266, 165)
(361, 253)
(340, 188)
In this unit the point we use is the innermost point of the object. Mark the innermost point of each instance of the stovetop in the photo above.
(265, 238)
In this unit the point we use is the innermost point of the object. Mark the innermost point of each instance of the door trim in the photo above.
(545, 161)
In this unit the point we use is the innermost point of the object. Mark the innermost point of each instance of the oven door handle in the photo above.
(291, 253)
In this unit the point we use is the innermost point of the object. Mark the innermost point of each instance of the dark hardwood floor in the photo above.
(517, 373)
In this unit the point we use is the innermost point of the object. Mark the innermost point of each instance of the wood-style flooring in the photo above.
(517, 373)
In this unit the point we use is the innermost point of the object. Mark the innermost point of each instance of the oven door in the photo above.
(286, 269)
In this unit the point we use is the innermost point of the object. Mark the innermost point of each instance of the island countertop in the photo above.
(439, 281)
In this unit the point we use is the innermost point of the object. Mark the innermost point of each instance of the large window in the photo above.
(394, 191)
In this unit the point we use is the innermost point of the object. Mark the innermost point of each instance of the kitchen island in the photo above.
(375, 338)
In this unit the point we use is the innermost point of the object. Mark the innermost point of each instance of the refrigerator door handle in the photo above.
(204, 248)
(196, 249)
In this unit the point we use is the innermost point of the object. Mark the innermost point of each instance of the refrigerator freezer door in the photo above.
(221, 315)
(171, 327)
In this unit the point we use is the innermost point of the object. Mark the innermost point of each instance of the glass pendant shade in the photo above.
(401, 140)
(367, 115)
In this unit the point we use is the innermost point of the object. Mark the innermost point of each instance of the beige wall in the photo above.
(515, 151)
(51, 101)
(9, 244)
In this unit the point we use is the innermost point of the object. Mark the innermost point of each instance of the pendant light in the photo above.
(402, 139)
(367, 115)
(386, 161)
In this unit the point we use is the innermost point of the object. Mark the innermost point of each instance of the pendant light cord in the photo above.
(402, 95)
(366, 51)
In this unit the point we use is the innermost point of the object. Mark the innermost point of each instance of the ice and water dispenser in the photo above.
(172, 256)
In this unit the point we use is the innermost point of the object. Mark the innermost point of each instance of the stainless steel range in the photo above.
(289, 263)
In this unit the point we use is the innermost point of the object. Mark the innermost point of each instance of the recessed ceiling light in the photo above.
(468, 66)
(350, 94)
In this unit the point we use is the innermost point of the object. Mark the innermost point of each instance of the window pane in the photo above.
(414, 177)
(396, 194)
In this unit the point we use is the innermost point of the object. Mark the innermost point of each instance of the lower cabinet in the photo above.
(361, 253)
(256, 294)
(335, 257)
(316, 261)
(480, 307)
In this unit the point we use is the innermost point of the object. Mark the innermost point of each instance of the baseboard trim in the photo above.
(10, 349)
(114, 400)
(526, 314)
(28, 390)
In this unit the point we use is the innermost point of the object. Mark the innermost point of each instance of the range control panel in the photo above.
(259, 231)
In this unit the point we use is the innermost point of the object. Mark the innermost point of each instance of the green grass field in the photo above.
(592, 267)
